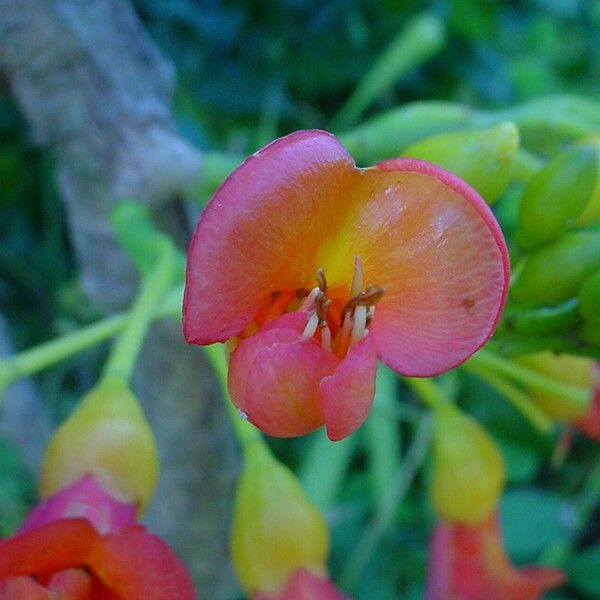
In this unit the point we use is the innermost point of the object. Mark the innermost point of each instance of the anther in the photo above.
(322, 305)
(309, 302)
(320, 275)
(368, 297)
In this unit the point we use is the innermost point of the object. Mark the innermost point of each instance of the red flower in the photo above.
(70, 559)
(298, 246)
(305, 585)
(468, 562)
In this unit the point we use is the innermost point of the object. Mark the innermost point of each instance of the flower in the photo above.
(107, 435)
(468, 469)
(468, 562)
(83, 544)
(279, 540)
(574, 370)
(317, 268)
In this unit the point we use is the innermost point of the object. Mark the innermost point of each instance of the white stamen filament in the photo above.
(346, 325)
(359, 324)
(309, 302)
(311, 326)
(370, 314)
(325, 337)
(357, 278)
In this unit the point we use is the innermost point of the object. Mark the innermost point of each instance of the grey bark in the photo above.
(96, 91)
(24, 420)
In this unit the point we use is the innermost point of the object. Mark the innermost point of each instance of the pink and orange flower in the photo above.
(83, 544)
(468, 562)
(315, 268)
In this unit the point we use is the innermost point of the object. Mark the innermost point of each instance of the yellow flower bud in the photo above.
(106, 435)
(574, 370)
(276, 530)
(468, 471)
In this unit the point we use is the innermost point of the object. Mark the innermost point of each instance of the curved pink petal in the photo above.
(348, 393)
(262, 230)
(71, 584)
(85, 498)
(23, 588)
(282, 396)
(432, 242)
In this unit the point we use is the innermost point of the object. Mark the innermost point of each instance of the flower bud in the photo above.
(592, 210)
(556, 272)
(107, 436)
(589, 298)
(483, 159)
(468, 470)
(573, 370)
(276, 530)
(556, 198)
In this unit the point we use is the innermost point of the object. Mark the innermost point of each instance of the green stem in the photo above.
(529, 378)
(386, 510)
(420, 40)
(123, 357)
(34, 360)
(521, 401)
(428, 391)
(244, 431)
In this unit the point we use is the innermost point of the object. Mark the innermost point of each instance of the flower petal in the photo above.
(305, 585)
(434, 245)
(131, 563)
(85, 498)
(348, 393)
(262, 230)
(71, 584)
(282, 396)
(469, 562)
(135, 564)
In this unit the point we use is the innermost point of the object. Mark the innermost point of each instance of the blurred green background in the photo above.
(248, 72)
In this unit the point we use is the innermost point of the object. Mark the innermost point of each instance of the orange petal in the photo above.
(348, 393)
(435, 247)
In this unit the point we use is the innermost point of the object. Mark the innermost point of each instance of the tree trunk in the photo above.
(96, 91)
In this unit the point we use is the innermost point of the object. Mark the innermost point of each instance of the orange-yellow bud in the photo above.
(573, 370)
(276, 530)
(108, 436)
(468, 471)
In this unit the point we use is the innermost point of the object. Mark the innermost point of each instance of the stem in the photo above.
(521, 401)
(384, 514)
(428, 390)
(45, 355)
(244, 431)
(529, 378)
(419, 41)
(123, 357)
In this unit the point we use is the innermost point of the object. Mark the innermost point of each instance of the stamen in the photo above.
(309, 302)
(325, 337)
(311, 326)
(357, 278)
(320, 275)
(368, 297)
(322, 305)
(359, 325)
(370, 315)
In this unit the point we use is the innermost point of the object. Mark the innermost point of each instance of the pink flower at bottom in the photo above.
(468, 562)
(305, 585)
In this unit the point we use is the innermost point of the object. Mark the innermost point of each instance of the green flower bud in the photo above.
(556, 198)
(556, 272)
(589, 298)
(592, 210)
(483, 159)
